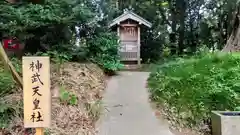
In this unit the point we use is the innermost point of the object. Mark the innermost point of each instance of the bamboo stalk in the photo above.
(8, 64)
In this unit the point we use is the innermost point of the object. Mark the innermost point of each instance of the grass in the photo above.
(189, 88)
(7, 87)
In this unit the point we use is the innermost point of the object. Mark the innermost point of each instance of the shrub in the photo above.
(190, 88)
(67, 97)
(103, 50)
(6, 88)
(56, 57)
(6, 82)
(17, 64)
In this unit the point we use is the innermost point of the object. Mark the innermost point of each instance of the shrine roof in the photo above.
(130, 15)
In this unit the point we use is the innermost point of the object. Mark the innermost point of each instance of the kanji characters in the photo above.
(36, 104)
(35, 67)
(38, 66)
(36, 77)
(36, 119)
(35, 91)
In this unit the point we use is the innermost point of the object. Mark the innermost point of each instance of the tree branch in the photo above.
(8, 64)
(164, 16)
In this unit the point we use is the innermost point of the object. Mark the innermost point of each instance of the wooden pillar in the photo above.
(139, 46)
(119, 41)
(118, 31)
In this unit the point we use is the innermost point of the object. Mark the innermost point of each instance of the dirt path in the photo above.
(127, 110)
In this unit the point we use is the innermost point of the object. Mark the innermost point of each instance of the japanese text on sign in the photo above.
(37, 96)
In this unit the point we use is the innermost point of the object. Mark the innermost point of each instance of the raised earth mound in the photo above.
(86, 82)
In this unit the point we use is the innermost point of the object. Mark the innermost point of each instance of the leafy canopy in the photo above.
(21, 20)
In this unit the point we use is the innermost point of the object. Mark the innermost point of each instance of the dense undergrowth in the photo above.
(190, 88)
(6, 87)
(101, 50)
(54, 35)
(9, 104)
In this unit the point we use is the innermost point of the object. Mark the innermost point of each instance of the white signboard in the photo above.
(36, 92)
(130, 47)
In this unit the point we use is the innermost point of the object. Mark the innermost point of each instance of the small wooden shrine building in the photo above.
(128, 29)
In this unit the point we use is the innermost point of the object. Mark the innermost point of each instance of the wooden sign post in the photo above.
(36, 93)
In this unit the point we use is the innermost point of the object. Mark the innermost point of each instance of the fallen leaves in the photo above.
(87, 82)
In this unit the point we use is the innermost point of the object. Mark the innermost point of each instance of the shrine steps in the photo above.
(131, 66)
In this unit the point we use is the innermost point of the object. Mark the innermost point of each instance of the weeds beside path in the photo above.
(188, 89)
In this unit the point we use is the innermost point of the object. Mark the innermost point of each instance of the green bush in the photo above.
(103, 50)
(7, 87)
(6, 82)
(56, 57)
(190, 88)
(17, 64)
(67, 97)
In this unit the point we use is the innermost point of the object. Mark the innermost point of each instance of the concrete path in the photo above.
(127, 110)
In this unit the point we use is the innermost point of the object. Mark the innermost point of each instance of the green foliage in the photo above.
(4, 115)
(17, 64)
(56, 57)
(52, 25)
(67, 97)
(47, 132)
(103, 50)
(193, 22)
(25, 18)
(166, 52)
(8, 110)
(6, 82)
(164, 3)
(7, 87)
(190, 88)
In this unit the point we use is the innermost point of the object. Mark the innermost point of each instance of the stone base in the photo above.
(131, 67)
(225, 123)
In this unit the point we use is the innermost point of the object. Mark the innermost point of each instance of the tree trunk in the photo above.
(233, 43)
(182, 27)
(221, 36)
(172, 35)
(192, 39)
